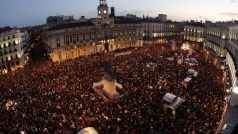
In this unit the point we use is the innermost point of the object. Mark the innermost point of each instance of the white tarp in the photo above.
(193, 72)
(88, 130)
(169, 97)
(188, 79)
(176, 103)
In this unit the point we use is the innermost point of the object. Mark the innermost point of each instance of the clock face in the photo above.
(99, 12)
(105, 11)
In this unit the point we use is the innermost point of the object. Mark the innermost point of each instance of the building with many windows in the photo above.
(217, 39)
(195, 32)
(232, 61)
(154, 29)
(105, 33)
(13, 44)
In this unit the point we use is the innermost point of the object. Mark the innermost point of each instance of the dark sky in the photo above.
(34, 12)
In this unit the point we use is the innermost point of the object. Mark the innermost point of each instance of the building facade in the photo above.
(106, 33)
(232, 61)
(195, 32)
(13, 44)
(162, 18)
(233, 44)
(154, 29)
(217, 39)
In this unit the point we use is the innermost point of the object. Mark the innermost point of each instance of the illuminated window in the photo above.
(105, 11)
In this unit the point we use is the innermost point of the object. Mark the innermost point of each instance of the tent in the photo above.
(88, 130)
(176, 103)
(169, 97)
(187, 80)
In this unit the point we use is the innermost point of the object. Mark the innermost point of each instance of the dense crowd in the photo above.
(58, 98)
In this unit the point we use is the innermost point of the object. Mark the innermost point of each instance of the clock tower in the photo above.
(103, 18)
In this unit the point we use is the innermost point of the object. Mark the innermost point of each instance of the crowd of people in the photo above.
(58, 97)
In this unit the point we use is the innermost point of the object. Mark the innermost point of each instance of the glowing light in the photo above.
(235, 90)
(9, 58)
(223, 36)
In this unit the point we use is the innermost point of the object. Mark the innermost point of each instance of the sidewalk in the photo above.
(230, 119)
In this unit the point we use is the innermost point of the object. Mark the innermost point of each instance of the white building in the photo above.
(13, 44)
(217, 39)
(154, 29)
(232, 60)
(195, 32)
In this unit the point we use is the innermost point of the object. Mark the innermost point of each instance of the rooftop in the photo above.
(71, 25)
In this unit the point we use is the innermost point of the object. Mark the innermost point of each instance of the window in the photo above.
(71, 39)
(8, 38)
(18, 63)
(74, 39)
(14, 42)
(3, 39)
(66, 40)
(13, 36)
(58, 44)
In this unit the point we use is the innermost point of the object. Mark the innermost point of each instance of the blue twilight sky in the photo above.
(34, 12)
